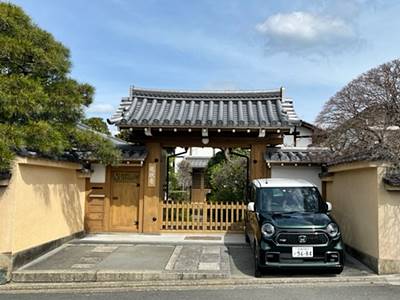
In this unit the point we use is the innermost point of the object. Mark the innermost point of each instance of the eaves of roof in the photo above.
(291, 156)
(204, 109)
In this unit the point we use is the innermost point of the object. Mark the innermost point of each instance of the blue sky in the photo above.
(310, 47)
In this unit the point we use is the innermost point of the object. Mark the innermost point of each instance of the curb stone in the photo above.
(53, 276)
(65, 276)
(114, 276)
(191, 280)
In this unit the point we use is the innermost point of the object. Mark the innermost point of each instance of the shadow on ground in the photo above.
(242, 264)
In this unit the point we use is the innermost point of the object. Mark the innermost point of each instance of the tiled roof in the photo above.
(133, 153)
(287, 105)
(376, 152)
(197, 162)
(392, 179)
(129, 152)
(296, 155)
(114, 140)
(204, 109)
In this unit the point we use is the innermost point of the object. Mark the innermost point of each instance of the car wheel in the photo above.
(338, 271)
(246, 237)
(257, 269)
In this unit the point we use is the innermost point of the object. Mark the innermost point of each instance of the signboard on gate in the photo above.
(152, 175)
(128, 177)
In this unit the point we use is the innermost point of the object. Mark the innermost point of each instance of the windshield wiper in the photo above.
(283, 212)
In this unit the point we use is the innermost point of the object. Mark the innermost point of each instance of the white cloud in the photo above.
(100, 108)
(307, 33)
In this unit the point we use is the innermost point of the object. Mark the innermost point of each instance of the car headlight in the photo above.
(267, 230)
(332, 229)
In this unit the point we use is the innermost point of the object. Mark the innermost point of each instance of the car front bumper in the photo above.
(330, 256)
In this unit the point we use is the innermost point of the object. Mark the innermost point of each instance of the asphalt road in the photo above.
(320, 292)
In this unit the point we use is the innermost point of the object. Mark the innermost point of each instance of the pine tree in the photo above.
(40, 104)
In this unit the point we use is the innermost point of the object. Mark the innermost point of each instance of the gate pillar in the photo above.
(258, 166)
(152, 189)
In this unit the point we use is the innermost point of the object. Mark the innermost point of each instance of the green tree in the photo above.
(173, 184)
(226, 175)
(124, 134)
(175, 192)
(40, 104)
(184, 175)
(97, 124)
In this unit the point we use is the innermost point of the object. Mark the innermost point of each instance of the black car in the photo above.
(288, 226)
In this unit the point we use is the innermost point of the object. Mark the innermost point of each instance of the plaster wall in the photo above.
(7, 205)
(288, 140)
(354, 196)
(389, 227)
(44, 202)
(310, 174)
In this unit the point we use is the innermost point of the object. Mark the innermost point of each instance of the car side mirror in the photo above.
(328, 206)
(250, 206)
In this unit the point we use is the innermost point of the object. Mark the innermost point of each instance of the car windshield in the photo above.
(288, 199)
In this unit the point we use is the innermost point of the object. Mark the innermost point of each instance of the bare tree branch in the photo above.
(364, 117)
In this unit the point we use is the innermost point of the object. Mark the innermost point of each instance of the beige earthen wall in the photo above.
(7, 205)
(44, 202)
(368, 214)
(353, 193)
(389, 228)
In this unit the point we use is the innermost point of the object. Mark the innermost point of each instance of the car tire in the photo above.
(257, 269)
(338, 271)
(246, 237)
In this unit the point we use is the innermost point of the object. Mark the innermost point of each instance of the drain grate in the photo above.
(203, 238)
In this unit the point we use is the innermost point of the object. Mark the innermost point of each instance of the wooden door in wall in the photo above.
(124, 203)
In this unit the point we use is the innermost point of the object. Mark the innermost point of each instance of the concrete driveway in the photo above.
(127, 257)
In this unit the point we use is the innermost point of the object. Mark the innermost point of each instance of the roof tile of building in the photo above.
(392, 179)
(296, 155)
(204, 109)
(133, 152)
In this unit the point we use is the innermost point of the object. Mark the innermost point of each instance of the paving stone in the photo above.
(62, 259)
(174, 257)
(209, 258)
(107, 249)
(224, 261)
(207, 266)
(151, 262)
(82, 266)
(211, 250)
(138, 258)
(90, 260)
(189, 258)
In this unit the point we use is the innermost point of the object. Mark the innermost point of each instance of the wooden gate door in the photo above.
(124, 206)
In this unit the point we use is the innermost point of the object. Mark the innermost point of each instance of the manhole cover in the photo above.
(203, 238)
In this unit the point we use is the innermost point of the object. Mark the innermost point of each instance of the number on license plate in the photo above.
(302, 252)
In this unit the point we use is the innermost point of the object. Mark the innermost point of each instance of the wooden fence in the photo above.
(202, 217)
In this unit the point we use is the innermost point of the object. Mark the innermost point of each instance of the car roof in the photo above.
(281, 182)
